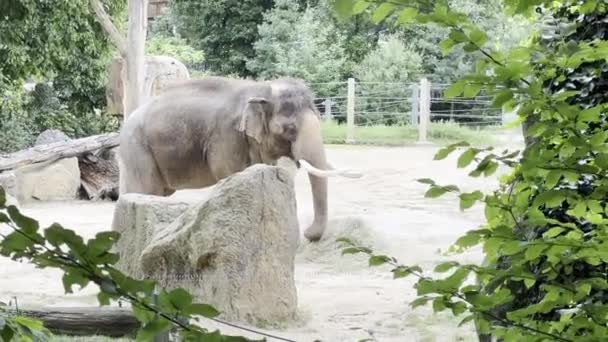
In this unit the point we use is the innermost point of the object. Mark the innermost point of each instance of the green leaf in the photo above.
(590, 114)
(552, 178)
(102, 243)
(472, 89)
(382, 12)
(354, 250)
(7, 333)
(579, 210)
(445, 266)
(553, 232)
(511, 248)
(467, 157)
(478, 37)
(55, 234)
(74, 277)
(360, 6)
(446, 46)
(419, 302)
(455, 89)
(103, 298)
(142, 314)
(345, 240)
(153, 329)
(27, 224)
(550, 199)
(458, 36)
(502, 97)
(180, 298)
(468, 240)
(2, 198)
(426, 181)
(458, 308)
(204, 310)
(467, 200)
(15, 242)
(534, 251)
(466, 320)
(32, 324)
(407, 15)
(529, 282)
(435, 192)
(343, 7)
(439, 304)
(377, 260)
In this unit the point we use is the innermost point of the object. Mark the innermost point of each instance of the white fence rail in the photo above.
(381, 103)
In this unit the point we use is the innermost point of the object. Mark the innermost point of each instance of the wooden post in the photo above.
(350, 112)
(327, 115)
(425, 110)
(414, 112)
(136, 40)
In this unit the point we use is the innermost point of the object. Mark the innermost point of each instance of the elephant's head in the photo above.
(280, 116)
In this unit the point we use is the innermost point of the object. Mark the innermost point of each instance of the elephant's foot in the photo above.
(315, 231)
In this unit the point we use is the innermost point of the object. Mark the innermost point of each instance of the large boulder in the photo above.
(160, 72)
(235, 250)
(8, 181)
(58, 180)
(51, 136)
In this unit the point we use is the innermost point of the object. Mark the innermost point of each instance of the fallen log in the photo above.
(99, 175)
(86, 321)
(57, 150)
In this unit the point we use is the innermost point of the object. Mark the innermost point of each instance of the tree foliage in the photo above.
(299, 45)
(224, 29)
(545, 277)
(60, 44)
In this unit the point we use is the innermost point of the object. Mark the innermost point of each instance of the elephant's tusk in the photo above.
(328, 173)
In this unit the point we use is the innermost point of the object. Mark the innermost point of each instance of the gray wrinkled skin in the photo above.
(201, 131)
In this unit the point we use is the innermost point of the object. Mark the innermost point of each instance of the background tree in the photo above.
(224, 29)
(61, 44)
(385, 76)
(300, 45)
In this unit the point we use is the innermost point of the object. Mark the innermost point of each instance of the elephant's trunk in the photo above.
(309, 147)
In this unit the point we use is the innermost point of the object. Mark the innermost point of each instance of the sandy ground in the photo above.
(340, 297)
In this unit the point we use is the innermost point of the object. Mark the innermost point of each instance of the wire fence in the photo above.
(396, 103)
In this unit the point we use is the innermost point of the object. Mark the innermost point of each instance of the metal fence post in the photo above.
(328, 103)
(414, 112)
(425, 110)
(350, 112)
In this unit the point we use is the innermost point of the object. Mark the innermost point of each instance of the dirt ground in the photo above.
(340, 298)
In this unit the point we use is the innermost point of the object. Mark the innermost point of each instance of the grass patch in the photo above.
(440, 133)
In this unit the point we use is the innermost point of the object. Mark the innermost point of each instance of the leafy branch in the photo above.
(92, 261)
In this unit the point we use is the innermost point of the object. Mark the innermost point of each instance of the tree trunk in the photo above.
(86, 321)
(58, 150)
(135, 58)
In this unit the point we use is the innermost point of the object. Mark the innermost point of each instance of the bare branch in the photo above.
(106, 22)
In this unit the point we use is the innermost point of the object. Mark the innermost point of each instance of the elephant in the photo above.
(200, 131)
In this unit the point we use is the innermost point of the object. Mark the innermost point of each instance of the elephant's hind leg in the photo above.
(139, 173)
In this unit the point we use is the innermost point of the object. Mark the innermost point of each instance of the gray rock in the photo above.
(235, 250)
(8, 180)
(57, 181)
(51, 136)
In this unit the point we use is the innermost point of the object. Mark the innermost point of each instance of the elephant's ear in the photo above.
(253, 121)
